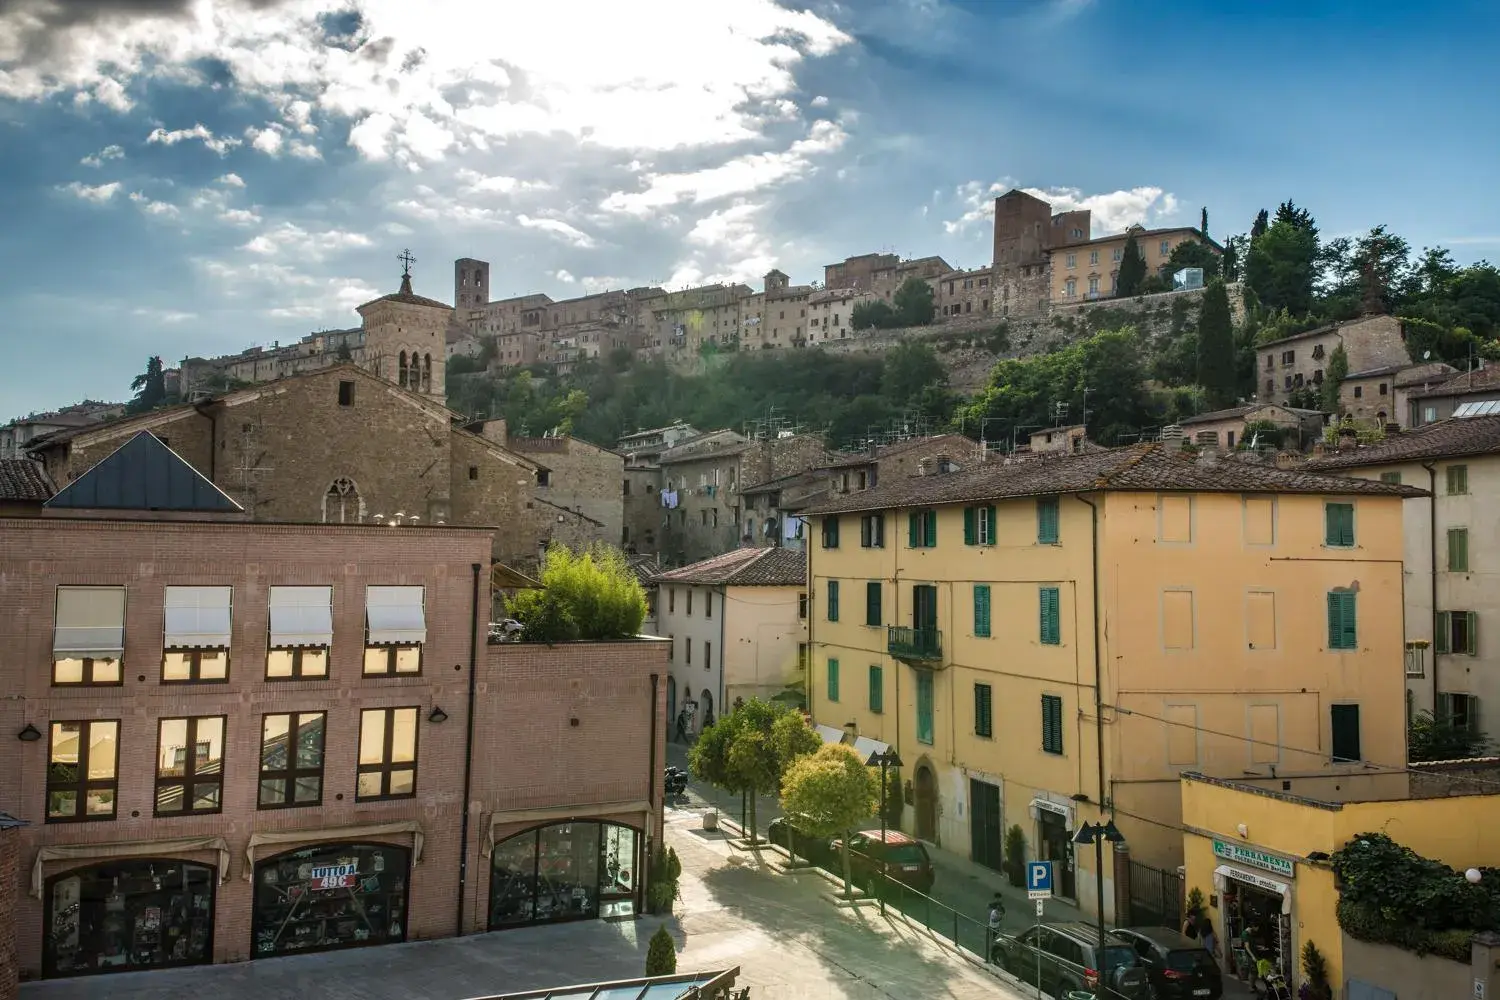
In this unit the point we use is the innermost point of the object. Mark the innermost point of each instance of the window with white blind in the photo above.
(396, 628)
(88, 638)
(301, 631)
(197, 626)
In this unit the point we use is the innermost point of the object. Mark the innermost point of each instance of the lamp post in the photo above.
(883, 759)
(1097, 834)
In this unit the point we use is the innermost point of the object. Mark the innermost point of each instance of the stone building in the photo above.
(1428, 405)
(1087, 269)
(1292, 363)
(16, 436)
(1298, 429)
(772, 508)
(1385, 395)
(831, 313)
(573, 475)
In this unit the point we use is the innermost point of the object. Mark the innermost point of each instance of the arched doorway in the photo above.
(671, 702)
(924, 788)
(577, 870)
(708, 708)
(329, 896)
(118, 916)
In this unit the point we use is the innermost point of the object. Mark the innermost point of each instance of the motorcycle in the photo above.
(675, 780)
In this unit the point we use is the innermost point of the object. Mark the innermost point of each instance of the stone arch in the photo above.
(342, 503)
(427, 373)
(401, 377)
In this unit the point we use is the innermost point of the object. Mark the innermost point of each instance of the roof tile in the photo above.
(23, 479)
(744, 567)
(1451, 438)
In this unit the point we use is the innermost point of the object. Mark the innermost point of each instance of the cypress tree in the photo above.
(1132, 270)
(661, 954)
(1216, 354)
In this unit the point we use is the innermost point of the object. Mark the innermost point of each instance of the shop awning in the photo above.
(394, 616)
(1271, 885)
(90, 623)
(559, 814)
(830, 734)
(198, 617)
(301, 616)
(349, 833)
(127, 849)
(865, 747)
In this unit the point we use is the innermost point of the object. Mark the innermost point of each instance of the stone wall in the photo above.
(582, 477)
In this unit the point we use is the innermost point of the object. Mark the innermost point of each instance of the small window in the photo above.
(872, 531)
(708, 655)
(1338, 525)
(1458, 480)
(802, 606)
(1051, 624)
(473, 472)
(708, 604)
(984, 711)
(672, 601)
(387, 754)
(833, 680)
(687, 650)
(833, 600)
(543, 477)
(190, 766)
(872, 603)
(1383, 389)
(1052, 730)
(1046, 521)
(1344, 723)
(1394, 478)
(1359, 391)
(291, 759)
(346, 393)
(982, 610)
(1458, 550)
(82, 770)
(690, 601)
(1456, 632)
(831, 532)
(979, 525)
(1343, 632)
(921, 529)
(1460, 711)
(877, 689)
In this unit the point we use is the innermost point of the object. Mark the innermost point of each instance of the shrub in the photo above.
(585, 595)
(894, 803)
(666, 871)
(1015, 856)
(661, 954)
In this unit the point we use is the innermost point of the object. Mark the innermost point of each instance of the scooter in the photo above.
(675, 780)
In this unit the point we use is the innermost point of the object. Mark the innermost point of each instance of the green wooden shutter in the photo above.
(924, 707)
(833, 680)
(1338, 524)
(1052, 737)
(1343, 632)
(982, 610)
(989, 525)
(872, 603)
(971, 535)
(833, 600)
(1473, 649)
(1458, 550)
(1051, 630)
(1344, 722)
(984, 711)
(914, 530)
(1046, 521)
(877, 689)
(1441, 632)
(929, 534)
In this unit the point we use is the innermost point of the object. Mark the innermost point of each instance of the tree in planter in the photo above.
(894, 803)
(666, 871)
(832, 792)
(661, 954)
(1015, 856)
(591, 594)
(749, 750)
(1315, 968)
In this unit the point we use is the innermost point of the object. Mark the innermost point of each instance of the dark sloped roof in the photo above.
(744, 567)
(143, 474)
(1146, 468)
(1451, 438)
(965, 447)
(807, 477)
(23, 479)
(1240, 411)
(406, 295)
(1485, 379)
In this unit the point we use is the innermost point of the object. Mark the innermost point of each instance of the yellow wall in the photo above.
(1081, 270)
(761, 634)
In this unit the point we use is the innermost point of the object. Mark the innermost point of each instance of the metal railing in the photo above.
(906, 643)
(960, 928)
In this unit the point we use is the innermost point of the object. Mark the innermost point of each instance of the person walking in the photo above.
(682, 726)
(1208, 935)
(996, 917)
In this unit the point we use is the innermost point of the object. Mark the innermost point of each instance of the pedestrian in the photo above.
(996, 916)
(1208, 936)
(1190, 925)
(682, 726)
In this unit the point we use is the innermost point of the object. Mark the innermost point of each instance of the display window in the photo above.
(119, 916)
(330, 896)
(567, 871)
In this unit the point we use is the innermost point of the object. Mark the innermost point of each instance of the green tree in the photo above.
(1437, 737)
(1333, 377)
(1203, 222)
(1193, 253)
(1216, 352)
(462, 364)
(831, 792)
(913, 301)
(1235, 249)
(874, 314)
(1260, 225)
(1282, 266)
(749, 749)
(342, 353)
(1132, 269)
(592, 594)
(661, 954)
(150, 387)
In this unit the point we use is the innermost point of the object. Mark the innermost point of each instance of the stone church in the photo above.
(367, 440)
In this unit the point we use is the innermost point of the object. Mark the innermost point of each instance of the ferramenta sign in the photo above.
(1255, 859)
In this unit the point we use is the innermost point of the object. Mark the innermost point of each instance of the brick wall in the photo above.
(10, 885)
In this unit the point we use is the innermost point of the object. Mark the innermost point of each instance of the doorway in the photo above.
(984, 823)
(708, 708)
(924, 610)
(925, 793)
(1054, 844)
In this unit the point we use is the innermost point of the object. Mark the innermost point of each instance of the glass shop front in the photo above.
(330, 896)
(578, 870)
(119, 916)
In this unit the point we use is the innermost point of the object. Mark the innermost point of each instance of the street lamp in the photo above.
(1097, 834)
(883, 759)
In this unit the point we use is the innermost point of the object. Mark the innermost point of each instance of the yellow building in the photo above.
(1238, 618)
(1087, 269)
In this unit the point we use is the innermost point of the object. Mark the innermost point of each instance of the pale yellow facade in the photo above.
(1083, 271)
(1213, 638)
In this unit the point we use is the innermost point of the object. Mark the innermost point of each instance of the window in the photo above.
(690, 601)
(671, 648)
(1070, 288)
(346, 393)
(833, 600)
(672, 601)
(1359, 391)
(830, 532)
(196, 646)
(1072, 260)
(1394, 478)
(301, 630)
(1093, 256)
(1456, 632)
(872, 603)
(1383, 389)
(801, 605)
(1459, 710)
(190, 766)
(291, 759)
(1338, 525)
(387, 754)
(1118, 254)
(979, 525)
(1342, 630)
(708, 604)
(982, 610)
(1429, 414)
(1093, 285)
(1458, 479)
(877, 689)
(473, 472)
(1051, 628)
(1052, 733)
(872, 531)
(708, 654)
(833, 680)
(396, 627)
(1046, 521)
(1458, 550)
(1344, 722)
(1317, 352)
(687, 649)
(1165, 249)
(82, 775)
(1288, 357)
(88, 638)
(921, 529)
(984, 711)
(924, 707)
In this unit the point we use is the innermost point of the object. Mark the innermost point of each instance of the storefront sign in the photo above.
(342, 876)
(1255, 859)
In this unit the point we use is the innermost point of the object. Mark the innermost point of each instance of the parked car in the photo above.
(1069, 957)
(783, 834)
(898, 857)
(1179, 967)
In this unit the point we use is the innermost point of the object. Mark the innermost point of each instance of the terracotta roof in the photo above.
(1154, 467)
(963, 448)
(807, 477)
(405, 295)
(1486, 379)
(1240, 411)
(1451, 438)
(744, 567)
(23, 479)
(1139, 233)
(712, 444)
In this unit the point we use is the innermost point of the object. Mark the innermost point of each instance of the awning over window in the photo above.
(198, 617)
(90, 623)
(394, 615)
(301, 616)
(1280, 888)
(830, 734)
(865, 747)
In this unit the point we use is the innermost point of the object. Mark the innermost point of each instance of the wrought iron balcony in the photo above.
(916, 645)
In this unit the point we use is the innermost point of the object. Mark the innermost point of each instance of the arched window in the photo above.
(427, 373)
(401, 378)
(135, 913)
(330, 896)
(342, 503)
(576, 870)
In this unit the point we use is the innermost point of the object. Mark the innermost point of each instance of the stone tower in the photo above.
(406, 339)
(471, 285)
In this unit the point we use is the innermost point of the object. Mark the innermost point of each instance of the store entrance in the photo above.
(1055, 845)
(1253, 916)
(330, 896)
(577, 870)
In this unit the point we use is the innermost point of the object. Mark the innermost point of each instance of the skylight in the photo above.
(1483, 408)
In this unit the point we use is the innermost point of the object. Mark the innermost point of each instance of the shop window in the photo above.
(387, 754)
(82, 771)
(395, 628)
(330, 896)
(121, 916)
(88, 638)
(568, 871)
(291, 759)
(190, 766)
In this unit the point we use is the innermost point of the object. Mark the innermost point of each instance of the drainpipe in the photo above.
(463, 828)
(213, 444)
(723, 619)
(1432, 542)
(642, 863)
(1098, 702)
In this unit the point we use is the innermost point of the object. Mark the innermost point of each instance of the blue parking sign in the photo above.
(1039, 880)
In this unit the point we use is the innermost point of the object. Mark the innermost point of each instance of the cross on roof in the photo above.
(407, 260)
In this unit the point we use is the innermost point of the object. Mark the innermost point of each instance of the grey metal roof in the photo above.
(673, 987)
(143, 474)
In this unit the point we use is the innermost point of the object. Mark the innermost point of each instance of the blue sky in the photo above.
(185, 177)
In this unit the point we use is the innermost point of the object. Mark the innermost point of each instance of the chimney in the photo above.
(1392, 428)
(1287, 459)
(1348, 437)
(926, 466)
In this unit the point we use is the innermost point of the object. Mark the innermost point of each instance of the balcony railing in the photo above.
(920, 644)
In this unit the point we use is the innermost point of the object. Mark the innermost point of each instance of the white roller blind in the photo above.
(394, 615)
(90, 622)
(301, 616)
(198, 617)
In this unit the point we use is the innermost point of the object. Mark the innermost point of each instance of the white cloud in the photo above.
(163, 315)
(275, 139)
(151, 207)
(288, 238)
(97, 193)
(239, 216)
(231, 180)
(219, 144)
(727, 245)
(476, 183)
(267, 140)
(107, 153)
(564, 276)
(818, 102)
(1111, 211)
(558, 228)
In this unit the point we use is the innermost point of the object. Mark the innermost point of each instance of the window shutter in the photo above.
(1046, 521)
(877, 689)
(970, 531)
(982, 609)
(1473, 649)
(872, 604)
(1458, 550)
(833, 600)
(989, 525)
(1440, 632)
(1050, 629)
(913, 530)
(833, 680)
(930, 535)
(1343, 632)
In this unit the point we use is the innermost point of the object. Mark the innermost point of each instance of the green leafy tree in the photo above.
(1282, 267)
(831, 792)
(1203, 222)
(661, 954)
(1315, 969)
(462, 364)
(1260, 225)
(1216, 352)
(1132, 270)
(1015, 855)
(875, 314)
(750, 748)
(592, 594)
(1333, 377)
(342, 353)
(150, 387)
(913, 302)
(1235, 249)
(1193, 253)
(666, 872)
(1436, 737)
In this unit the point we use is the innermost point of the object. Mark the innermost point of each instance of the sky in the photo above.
(194, 177)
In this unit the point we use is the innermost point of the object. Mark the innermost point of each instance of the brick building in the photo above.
(24, 486)
(240, 740)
